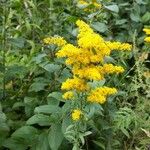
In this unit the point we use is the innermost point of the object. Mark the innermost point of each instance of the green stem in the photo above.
(4, 50)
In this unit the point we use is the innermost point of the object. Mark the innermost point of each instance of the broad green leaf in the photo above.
(12, 144)
(42, 120)
(52, 101)
(18, 104)
(37, 86)
(39, 58)
(52, 67)
(25, 132)
(47, 109)
(146, 17)
(66, 123)
(55, 136)
(43, 142)
(113, 8)
(56, 95)
(18, 42)
(101, 27)
(135, 17)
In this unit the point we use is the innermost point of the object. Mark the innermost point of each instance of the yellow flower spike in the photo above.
(55, 40)
(88, 72)
(75, 83)
(118, 46)
(68, 95)
(86, 59)
(100, 94)
(109, 68)
(76, 114)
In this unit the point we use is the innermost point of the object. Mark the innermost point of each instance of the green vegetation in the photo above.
(33, 114)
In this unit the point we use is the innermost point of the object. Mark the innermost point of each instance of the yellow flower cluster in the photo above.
(91, 2)
(147, 31)
(87, 62)
(59, 41)
(75, 83)
(68, 95)
(99, 95)
(96, 72)
(118, 46)
(76, 114)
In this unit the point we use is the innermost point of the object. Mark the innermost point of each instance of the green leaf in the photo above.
(37, 86)
(100, 144)
(56, 95)
(39, 58)
(121, 22)
(47, 109)
(146, 17)
(66, 123)
(52, 67)
(18, 104)
(135, 17)
(125, 132)
(55, 136)
(13, 143)
(113, 8)
(42, 120)
(18, 42)
(43, 142)
(101, 27)
(25, 132)
(52, 101)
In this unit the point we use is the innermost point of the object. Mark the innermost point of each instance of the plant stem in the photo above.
(4, 49)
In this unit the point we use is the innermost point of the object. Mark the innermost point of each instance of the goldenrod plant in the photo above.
(87, 62)
(85, 86)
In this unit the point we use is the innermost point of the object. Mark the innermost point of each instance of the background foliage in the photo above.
(32, 113)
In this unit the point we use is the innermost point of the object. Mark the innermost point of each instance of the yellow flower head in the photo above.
(76, 114)
(147, 39)
(100, 94)
(75, 83)
(147, 31)
(55, 40)
(68, 95)
(109, 68)
(118, 46)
